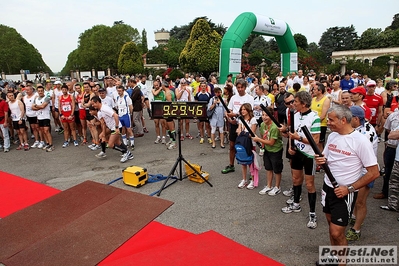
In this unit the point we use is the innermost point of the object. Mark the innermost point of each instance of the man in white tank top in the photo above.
(18, 120)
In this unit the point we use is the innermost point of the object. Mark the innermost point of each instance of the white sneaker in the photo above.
(163, 140)
(41, 145)
(172, 146)
(35, 145)
(312, 224)
(127, 156)
(96, 147)
(261, 152)
(91, 145)
(274, 191)
(251, 185)
(158, 140)
(291, 208)
(242, 184)
(101, 155)
(265, 190)
(288, 193)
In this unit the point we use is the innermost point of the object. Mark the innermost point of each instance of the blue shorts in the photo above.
(125, 121)
(371, 184)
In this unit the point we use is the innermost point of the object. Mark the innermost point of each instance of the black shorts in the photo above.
(89, 117)
(19, 126)
(44, 123)
(233, 132)
(32, 120)
(273, 161)
(300, 161)
(323, 131)
(77, 119)
(169, 119)
(340, 208)
(56, 110)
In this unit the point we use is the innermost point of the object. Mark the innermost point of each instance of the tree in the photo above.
(395, 22)
(99, 47)
(338, 39)
(16, 53)
(369, 39)
(182, 33)
(301, 41)
(251, 37)
(202, 38)
(144, 44)
(258, 44)
(130, 59)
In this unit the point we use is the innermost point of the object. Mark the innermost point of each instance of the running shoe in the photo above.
(228, 169)
(188, 136)
(41, 145)
(251, 185)
(50, 148)
(101, 155)
(36, 144)
(96, 147)
(352, 235)
(274, 191)
(158, 140)
(66, 144)
(265, 190)
(163, 140)
(288, 193)
(242, 184)
(172, 146)
(26, 147)
(291, 208)
(76, 143)
(312, 224)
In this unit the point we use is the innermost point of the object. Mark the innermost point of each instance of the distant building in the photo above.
(366, 56)
(162, 36)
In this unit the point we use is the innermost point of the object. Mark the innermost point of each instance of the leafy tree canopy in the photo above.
(395, 22)
(301, 41)
(16, 53)
(99, 47)
(182, 33)
(193, 58)
(130, 59)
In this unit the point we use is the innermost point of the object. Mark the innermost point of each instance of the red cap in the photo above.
(360, 90)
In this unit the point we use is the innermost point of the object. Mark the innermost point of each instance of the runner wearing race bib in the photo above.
(42, 107)
(125, 108)
(66, 105)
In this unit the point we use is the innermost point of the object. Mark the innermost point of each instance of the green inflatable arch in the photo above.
(239, 31)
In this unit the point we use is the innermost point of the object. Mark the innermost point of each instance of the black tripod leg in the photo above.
(170, 176)
(195, 170)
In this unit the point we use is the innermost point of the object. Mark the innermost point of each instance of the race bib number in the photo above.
(13, 116)
(122, 111)
(40, 112)
(300, 146)
(66, 108)
(80, 106)
(323, 198)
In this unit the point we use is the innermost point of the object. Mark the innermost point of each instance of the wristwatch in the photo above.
(351, 189)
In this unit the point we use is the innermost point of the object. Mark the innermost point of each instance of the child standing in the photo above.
(273, 156)
(247, 113)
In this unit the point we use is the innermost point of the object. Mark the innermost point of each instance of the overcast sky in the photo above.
(53, 26)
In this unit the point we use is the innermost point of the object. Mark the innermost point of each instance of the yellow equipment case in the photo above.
(135, 176)
(193, 176)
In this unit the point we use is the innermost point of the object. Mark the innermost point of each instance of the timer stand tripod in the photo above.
(179, 162)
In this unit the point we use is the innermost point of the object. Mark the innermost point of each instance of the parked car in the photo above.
(85, 78)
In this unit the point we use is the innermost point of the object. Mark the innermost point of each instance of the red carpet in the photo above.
(17, 193)
(155, 244)
(209, 248)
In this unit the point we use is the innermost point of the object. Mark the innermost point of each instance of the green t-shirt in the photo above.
(160, 96)
(271, 133)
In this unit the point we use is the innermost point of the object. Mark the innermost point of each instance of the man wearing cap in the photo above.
(375, 103)
(355, 79)
(347, 83)
(105, 99)
(357, 96)
(365, 128)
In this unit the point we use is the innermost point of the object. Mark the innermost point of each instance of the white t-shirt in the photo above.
(298, 79)
(108, 101)
(312, 121)
(346, 156)
(29, 101)
(45, 112)
(236, 101)
(111, 91)
(123, 103)
(258, 100)
(107, 113)
(143, 88)
(249, 123)
(57, 94)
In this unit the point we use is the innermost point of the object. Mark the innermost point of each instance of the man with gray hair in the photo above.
(302, 159)
(346, 152)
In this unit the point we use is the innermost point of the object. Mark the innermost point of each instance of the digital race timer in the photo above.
(179, 110)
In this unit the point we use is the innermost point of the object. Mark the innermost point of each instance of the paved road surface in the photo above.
(243, 215)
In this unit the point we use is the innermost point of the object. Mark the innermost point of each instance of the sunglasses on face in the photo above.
(289, 102)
